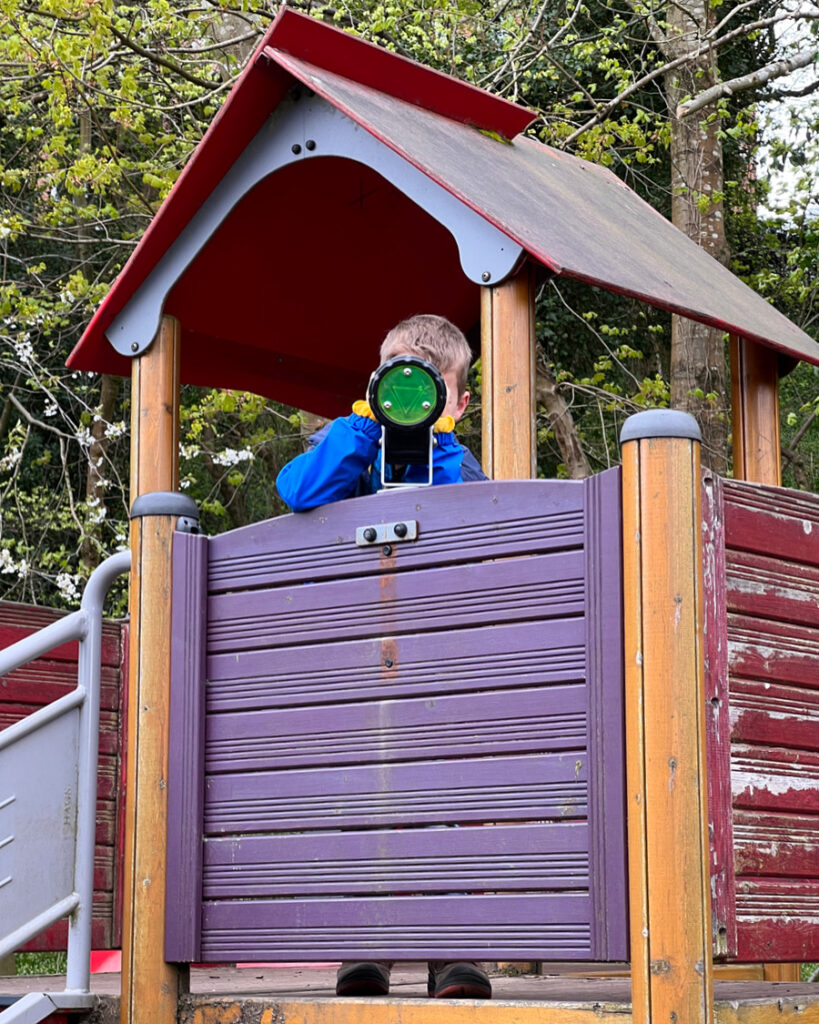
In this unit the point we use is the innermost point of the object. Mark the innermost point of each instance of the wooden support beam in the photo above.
(755, 401)
(671, 944)
(150, 987)
(508, 378)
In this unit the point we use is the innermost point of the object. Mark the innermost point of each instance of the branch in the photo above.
(734, 85)
(35, 422)
(708, 45)
(156, 59)
(806, 90)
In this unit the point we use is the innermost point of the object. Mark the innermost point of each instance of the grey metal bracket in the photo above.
(168, 503)
(386, 533)
(307, 127)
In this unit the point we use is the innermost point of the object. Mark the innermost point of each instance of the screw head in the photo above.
(485, 276)
(400, 529)
(134, 346)
(387, 549)
(310, 144)
(407, 371)
(295, 148)
(388, 404)
(388, 663)
(370, 534)
(426, 405)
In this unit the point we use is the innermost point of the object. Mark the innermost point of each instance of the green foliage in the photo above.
(101, 104)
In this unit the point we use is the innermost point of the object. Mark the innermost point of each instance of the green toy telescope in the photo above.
(406, 395)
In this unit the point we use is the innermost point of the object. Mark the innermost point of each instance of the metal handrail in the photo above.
(84, 625)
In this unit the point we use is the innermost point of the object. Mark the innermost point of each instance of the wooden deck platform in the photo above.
(306, 995)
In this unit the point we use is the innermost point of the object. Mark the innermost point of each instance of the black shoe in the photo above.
(460, 980)
(363, 979)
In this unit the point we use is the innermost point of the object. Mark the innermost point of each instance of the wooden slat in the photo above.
(502, 591)
(474, 724)
(530, 517)
(778, 919)
(763, 712)
(493, 789)
(785, 845)
(775, 521)
(775, 779)
(557, 925)
(765, 587)
(493, 857)
(776, 651)
(528, 654)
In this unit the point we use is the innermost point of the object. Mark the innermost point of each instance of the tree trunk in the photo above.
(699, 375)
(562, 423)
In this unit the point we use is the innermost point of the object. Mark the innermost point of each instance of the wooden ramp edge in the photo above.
(225, 995)
(738, 1008)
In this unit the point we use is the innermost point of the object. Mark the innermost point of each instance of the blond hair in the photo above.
(432, 338)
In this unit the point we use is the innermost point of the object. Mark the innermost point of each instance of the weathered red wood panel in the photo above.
(40, 683)
(766, 612)
(784, 845)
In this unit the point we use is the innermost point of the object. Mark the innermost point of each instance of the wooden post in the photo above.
(755, 400)
(508, 376)
(671, 944)
(150, 987)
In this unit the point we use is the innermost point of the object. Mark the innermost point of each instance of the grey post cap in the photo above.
(660, 423)
(165, 503)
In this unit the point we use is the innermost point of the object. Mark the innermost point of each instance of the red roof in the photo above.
(293, 292)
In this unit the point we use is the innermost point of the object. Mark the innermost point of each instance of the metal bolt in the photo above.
(400, 529)
(407, 371)
(485, 276)
(311, 145)
(425, 405)
(295, 148)
(386, 550)
(388, 663)
(134, 346)
(370, 534)
(388, 405)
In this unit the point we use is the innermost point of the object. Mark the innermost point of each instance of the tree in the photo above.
(102, 102)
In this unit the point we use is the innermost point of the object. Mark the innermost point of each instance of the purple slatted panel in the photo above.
(556, 924)
(358, 670)
(458, 526)
(604, 661)
(186, 768)
(429, 600)
(441, 684)
(497, 857)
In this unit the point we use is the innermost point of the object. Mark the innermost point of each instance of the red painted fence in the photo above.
(762, 596)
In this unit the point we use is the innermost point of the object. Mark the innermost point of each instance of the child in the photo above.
(344, 458)
(343, 462)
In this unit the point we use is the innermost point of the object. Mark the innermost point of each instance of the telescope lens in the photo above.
(406, 394)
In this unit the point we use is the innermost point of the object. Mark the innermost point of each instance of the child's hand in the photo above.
(443, 425)
(362, 408)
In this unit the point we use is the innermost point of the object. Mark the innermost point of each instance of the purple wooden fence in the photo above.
(408, 752)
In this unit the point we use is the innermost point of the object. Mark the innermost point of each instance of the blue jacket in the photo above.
(343, 461)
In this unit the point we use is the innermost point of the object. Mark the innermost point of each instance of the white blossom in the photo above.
(67, 584)
(232, 457)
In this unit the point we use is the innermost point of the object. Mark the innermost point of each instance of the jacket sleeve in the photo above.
(330, 471)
